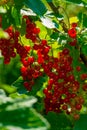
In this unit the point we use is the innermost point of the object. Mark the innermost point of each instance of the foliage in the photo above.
(19, 114)
(43, 55)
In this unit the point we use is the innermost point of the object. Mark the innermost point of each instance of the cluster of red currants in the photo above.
(31, 30)
(30, 70)
(32, 66)
(63, 90)
(7, 46)
(11, 46)
(73, 34)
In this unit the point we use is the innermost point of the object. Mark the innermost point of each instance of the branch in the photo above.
(83, 58)
(55, 10)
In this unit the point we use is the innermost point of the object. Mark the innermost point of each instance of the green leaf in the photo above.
(47, 22)
(81, 124)
(24, 119)
(80, 17)
(16, 16)
(19, 4)
(84, 1)
(11, 17)
(54, 35)
(38, 84)
(43, 30)
(19, 85)
(17, 102)
(2, 10)
(18, 114)
(84, 20)
(7, 19)
(58, 121)
(37, 6)
(9, 73)
(84, 49)
(76, 1)
(49, 0)
(28, 12)
(2, 93)
(7, 88)
(59, 16)
(55, 23)
(3, 34)
(22, 29)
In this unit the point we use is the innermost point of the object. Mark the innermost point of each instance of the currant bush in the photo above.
(63, 92)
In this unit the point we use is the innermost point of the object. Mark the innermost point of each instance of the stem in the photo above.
(83, 58)
(51, 50)
(66, 15)
(20, 40)
(55, 10)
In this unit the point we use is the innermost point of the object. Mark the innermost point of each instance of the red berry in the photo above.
(24, 62)
(74, 25)
(64, 107)
(78, 68)
(27, 48)
(36, 30)
(83, 76)
(7, 60)
(73, 43)
(78, 106)
(46, 50)
(30, 59)
(72, 33)
(25, 16)
(40, 59)
(13, 54)
(81, 100)
(76, 116)
(23, 69)
(26, 84)
(45, 91)
(50, 81)
(44, 42)
(71, 78)
(73, 95)
(84, 87)
(65, 51)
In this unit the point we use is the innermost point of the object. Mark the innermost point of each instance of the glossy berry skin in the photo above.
(31, 30)
(65, 51)
(78, 106)
(36, 30)
(30, 59)
(23, 69)
(64, 107)
(44, 42)
(84, 87)
(78, 68)
(72, 33)
(83, 76)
